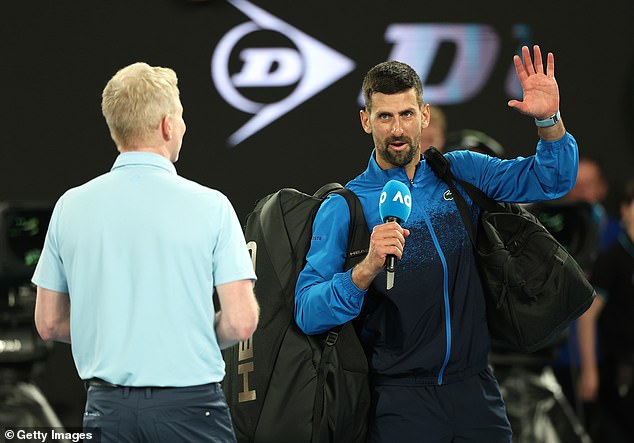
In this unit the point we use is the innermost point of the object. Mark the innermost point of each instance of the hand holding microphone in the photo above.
(395, 205)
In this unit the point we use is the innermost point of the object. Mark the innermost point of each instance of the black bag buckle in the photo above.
(331, 338)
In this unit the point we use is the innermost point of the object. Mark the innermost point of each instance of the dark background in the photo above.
(58, 55)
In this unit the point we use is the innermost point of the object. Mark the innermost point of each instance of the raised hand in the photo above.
(541, 93)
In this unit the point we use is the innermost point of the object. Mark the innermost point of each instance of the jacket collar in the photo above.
(382, 176)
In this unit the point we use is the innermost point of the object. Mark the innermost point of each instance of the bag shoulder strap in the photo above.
(359, 234)
(358, 245)
(358, 237)
(327, 189)
(442, 168)
(438, 160)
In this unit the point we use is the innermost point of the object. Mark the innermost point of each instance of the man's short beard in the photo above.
(398, 159)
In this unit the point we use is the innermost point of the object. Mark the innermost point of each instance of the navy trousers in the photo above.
(470, 411)
(159, 415)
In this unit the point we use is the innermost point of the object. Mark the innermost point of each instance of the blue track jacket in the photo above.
(431, 326)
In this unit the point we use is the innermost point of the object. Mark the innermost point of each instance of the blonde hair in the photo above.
(136, 99)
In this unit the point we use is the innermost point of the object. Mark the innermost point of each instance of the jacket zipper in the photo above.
(445, 285)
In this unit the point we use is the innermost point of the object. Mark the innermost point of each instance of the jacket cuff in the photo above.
(351, 289)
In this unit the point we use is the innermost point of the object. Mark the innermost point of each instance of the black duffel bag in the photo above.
(533, 287)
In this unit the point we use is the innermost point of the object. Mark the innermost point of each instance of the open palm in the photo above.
(541, 93)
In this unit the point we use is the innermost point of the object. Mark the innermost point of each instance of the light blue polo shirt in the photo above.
(139, 250)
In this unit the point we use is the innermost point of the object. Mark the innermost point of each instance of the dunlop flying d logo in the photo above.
(266, 67)
(308, 67)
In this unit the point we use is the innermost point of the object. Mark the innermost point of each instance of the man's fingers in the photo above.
(550, 67)
(539, 64)
(519, 68)
(528, 62)
(388, 239)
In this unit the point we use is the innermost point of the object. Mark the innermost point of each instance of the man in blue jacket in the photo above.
(427, 338)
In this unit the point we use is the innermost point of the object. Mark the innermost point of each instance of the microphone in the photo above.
(395, 204)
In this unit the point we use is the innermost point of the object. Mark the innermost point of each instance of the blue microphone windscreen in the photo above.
(395, 201)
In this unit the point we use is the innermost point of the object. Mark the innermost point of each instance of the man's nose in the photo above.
(397, 129)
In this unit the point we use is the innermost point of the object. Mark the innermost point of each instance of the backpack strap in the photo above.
(359, 235)
(442, 168)
(358, 246)
(327, 189)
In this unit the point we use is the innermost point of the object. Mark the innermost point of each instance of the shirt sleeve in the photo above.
(325, 295)
(231, 259)
(49, 271)
(549, 174)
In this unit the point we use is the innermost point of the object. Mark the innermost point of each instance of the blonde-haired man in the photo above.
(127, 273)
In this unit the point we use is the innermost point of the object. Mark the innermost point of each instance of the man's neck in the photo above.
(162, 151)
(410, 168)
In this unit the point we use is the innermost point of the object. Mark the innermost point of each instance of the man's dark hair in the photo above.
(391, 77)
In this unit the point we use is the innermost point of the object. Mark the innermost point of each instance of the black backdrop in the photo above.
(57, 57)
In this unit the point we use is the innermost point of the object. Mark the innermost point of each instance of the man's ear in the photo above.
(425, 116)
(365, 121)
(166, 127)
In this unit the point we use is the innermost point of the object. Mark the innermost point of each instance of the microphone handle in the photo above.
(390, 261)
